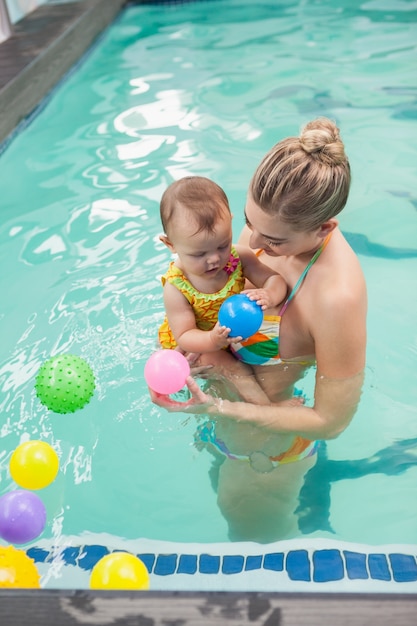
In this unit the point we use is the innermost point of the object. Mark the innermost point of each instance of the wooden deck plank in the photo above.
(44, 46)
(67, 608)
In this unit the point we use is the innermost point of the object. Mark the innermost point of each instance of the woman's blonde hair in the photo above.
(304, 180)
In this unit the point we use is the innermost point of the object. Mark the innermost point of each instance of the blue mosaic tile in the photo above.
(166, 564)
(148, 560)
(209, 564)
(253, 562)
(187, 564)
(39, 555)
(233, 564)
(298, 565)
(70, 555)
(356, 565)
(274, 561)
(90, 555)
(404, 568)
(327, 566)
(378, 567)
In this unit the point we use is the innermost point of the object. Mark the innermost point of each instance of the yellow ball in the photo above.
(17, 569)
(34, 465)
(119, 570)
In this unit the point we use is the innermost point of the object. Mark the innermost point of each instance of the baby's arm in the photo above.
(189, 338)
(271, 288)
(182, 322)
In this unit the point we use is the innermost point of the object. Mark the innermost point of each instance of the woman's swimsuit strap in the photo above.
(303, 275)
(262, 348)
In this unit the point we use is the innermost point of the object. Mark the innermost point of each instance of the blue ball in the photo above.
(241, 315)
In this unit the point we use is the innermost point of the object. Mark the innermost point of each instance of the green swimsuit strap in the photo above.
(303, 275)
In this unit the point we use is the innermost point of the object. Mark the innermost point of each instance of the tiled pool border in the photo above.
(302, 565)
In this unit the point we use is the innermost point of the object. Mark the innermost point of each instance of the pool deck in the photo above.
(147, 608)
(44, 45)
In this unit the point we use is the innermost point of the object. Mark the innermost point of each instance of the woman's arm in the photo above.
(335, 404)
(340, 339)
(338, 327)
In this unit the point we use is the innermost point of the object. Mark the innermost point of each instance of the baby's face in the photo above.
(202, 253)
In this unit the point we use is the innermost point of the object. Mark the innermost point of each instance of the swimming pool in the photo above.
(189, 89)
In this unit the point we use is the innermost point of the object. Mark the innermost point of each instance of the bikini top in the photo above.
(262, 348)
(303, 275)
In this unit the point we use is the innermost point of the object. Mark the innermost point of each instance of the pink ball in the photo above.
(166, 371)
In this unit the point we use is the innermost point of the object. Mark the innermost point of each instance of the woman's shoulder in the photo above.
(341, 302)
(343, 268)
(242, 250)
(337, 283)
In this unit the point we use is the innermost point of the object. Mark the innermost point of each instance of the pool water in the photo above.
(204, 88)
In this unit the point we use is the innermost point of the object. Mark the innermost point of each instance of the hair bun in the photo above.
(321, 139)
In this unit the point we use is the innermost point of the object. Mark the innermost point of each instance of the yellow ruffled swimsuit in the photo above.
(205, 305)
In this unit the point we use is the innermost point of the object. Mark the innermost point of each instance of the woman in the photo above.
(297, 191)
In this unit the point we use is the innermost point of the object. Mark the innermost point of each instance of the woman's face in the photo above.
(278, 238)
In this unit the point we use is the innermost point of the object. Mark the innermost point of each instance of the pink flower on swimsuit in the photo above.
(231, 265)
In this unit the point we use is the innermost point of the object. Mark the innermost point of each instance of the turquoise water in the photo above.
(204, 88)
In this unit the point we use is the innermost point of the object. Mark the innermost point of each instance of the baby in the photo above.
(197, 223)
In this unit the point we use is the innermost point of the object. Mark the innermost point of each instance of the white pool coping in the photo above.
(297, 565)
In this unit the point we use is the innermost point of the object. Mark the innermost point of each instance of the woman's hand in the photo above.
(196, 368)
(199, 402)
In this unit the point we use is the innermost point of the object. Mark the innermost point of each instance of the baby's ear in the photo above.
(164, 239)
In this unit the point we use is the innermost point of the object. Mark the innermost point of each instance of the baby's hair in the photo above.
(304, 180)
(206, 201)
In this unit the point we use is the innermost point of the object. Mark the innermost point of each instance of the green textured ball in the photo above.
(65, 383)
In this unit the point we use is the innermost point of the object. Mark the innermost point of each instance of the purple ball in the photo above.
(22, 516)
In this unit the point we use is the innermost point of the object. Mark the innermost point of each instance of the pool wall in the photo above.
(296, 565)
(44, 46)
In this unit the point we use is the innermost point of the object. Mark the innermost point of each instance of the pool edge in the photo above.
(44, 46)
(53, 607)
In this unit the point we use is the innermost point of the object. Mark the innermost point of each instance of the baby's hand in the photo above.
(219, 336)
(261, 297)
